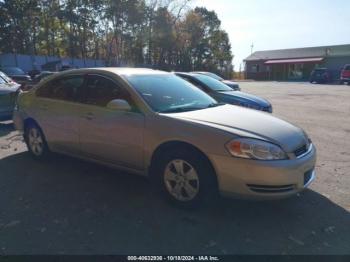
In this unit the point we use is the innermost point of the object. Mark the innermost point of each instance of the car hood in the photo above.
(8, 88)
(248, 123)
(238, 95)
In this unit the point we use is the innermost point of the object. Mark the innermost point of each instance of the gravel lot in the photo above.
(66, 206)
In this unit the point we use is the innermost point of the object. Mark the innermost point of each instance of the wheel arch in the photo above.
(163, 147)
(29, 121)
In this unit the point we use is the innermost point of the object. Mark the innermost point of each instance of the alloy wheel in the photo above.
(181, 180)
(35, 141)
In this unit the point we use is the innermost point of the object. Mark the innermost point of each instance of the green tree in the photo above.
(166, 34)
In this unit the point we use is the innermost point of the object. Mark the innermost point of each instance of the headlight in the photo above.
(255, 149)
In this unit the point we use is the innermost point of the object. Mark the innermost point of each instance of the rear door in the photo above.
(110, 135)
(58, 112)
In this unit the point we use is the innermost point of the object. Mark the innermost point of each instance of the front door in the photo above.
(110, 135)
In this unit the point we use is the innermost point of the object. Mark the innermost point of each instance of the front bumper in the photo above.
(264, 179)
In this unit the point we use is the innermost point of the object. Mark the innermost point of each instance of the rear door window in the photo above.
(67, 88)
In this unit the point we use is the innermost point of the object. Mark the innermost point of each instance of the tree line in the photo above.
(164, 34)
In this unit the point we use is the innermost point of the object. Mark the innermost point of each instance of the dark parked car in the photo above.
(16, 74)
(8, 95)
(41, 76)
(233, 85)
(321, 76)
(27, 86)
(345, 75)
(224, 93)
(33, 73)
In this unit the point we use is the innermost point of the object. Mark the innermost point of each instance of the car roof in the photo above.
(186, 73)
(116, 70)
(202, 72)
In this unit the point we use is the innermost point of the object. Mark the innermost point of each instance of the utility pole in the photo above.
(251, 48)
(240, 71)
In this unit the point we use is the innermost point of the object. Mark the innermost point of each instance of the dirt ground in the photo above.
(66, 206)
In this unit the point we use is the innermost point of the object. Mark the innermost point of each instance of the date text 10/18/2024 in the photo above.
(173, 258)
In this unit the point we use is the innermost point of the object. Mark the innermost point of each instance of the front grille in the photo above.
(270, 189)
(301, 150)
(307, 176)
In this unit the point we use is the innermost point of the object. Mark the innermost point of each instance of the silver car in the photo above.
(8, 94)
(156, 124)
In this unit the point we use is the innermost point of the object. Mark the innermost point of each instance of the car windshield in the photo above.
(213, 76)
(167, 93)
(5, 77)
(2, 81)
(212, 83)
(13, 71)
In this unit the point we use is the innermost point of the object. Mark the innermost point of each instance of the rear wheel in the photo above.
(35, 141)
(185, 178)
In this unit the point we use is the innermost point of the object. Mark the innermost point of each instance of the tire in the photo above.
(185, 178)
(36, 142)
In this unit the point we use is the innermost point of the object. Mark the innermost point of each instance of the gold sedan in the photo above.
(156, 124)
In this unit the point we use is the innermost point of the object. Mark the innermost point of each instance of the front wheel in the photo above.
(186, 178)
(35, 141)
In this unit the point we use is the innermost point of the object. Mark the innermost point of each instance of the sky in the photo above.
(279, 24)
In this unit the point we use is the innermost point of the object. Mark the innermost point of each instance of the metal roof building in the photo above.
(296, 63)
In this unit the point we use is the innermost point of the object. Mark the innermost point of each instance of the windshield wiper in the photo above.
(215, 104)
(180, 109)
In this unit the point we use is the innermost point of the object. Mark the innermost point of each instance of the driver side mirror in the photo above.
(119, 104)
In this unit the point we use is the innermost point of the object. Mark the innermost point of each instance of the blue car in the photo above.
(233, 85)
(224, 93)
